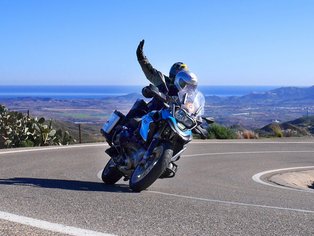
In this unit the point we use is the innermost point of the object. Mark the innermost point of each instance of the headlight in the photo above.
(184, 118)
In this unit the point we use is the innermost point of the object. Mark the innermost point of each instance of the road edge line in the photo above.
(45, 225)
(257, 178)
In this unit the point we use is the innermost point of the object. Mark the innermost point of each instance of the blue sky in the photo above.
(93, 42)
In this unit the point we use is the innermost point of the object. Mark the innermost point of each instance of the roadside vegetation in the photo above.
(300, 127)
(216, 131)
(90, 132)
(20, 130)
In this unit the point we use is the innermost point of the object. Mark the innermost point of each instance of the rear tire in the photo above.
(110, 175)
(143, 177)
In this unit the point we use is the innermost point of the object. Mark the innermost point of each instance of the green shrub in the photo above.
(18, 130)
(216, 131)
(277, 130)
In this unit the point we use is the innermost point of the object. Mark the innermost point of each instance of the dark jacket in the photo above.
(163, 82)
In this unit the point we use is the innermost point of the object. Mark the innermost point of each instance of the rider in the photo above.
(179, 77)
(166, 84)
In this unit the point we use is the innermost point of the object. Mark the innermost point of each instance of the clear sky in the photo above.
(93, 42)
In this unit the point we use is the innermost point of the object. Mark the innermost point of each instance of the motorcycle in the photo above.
(157, 140)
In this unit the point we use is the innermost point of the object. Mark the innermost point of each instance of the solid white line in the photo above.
(105, 144)
(232, 203)
(252, 142)
(235, 153)
(257, 178)
(99, 174)
(52, 148)
(223, 202)
(45, 225)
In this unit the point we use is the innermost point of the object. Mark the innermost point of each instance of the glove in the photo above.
(139, 51)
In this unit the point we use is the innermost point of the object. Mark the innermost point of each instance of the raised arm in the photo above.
(154, 76)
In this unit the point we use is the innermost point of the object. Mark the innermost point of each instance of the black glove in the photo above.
(139, 51)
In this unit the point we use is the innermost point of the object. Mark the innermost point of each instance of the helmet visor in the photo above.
(184, 85)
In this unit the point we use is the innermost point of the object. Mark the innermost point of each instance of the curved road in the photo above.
(56, 191)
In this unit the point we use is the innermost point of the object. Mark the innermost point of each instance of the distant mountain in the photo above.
(258, 109)
(251, 111)
(280, 95)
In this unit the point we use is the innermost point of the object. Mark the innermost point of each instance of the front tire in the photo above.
(110, 175)
(146, 174)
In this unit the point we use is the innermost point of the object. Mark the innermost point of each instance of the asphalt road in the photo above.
(56, 191)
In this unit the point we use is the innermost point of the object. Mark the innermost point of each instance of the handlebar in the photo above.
(152, 91)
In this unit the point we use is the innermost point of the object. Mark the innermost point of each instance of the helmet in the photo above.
(175, 68)
(184, 78)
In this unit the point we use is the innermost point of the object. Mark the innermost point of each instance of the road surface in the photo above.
(56, 191)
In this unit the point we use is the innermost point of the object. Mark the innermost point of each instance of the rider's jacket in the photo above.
(164, 83)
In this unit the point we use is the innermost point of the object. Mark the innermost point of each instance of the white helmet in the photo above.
(184, 78)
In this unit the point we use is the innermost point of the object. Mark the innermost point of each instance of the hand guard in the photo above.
(201, 131)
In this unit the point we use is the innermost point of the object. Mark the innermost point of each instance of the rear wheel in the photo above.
(111, 174)
(146, 174)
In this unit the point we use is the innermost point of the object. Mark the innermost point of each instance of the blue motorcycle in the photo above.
(149, 149)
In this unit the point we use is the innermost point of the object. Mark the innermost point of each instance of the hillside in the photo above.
(90, 132)
(251, 111)
(285, 95)
(303, 126)
(256, 110)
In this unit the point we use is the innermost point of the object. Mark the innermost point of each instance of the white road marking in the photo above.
(224, 202)
(45, 225)
(60, 228)
(9, 151)
(99, 174)
(51, 148)
(236, 203)
(257, 178)
(252, 142)
(232, 203)
(235, 153)
(104, 144)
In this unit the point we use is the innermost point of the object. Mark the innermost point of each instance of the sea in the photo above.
(94, 92)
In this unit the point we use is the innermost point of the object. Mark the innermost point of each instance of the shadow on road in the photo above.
(74, 185)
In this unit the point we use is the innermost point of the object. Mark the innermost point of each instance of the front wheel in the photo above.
(111, 174)
(146, 174)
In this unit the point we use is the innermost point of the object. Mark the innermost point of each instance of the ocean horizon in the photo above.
(64, 92)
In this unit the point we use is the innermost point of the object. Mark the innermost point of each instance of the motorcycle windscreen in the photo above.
(192, 100)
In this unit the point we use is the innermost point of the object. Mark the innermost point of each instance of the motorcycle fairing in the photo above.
(146, 121)
(166, 115)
